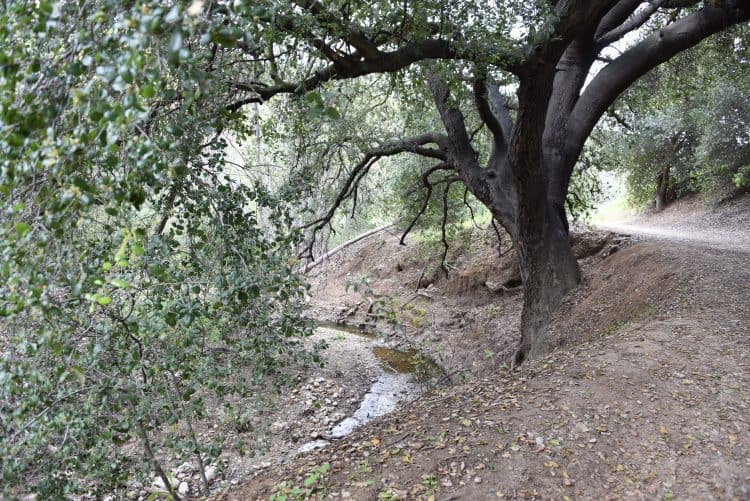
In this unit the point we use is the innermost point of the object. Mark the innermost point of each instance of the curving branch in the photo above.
(350, 34)
(414, 145)
(460, 151)
(656, 49)
(493, 110)
(356, 65)
(634, 22)
(616, 16)
(428, 186)
(486, 114)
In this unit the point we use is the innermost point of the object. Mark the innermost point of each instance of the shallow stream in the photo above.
(396, 383)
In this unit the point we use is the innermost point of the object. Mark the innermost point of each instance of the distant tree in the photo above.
(681, 133)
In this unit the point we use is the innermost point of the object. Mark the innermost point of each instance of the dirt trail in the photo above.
(722, 239)
(689, 221)
(644, 397)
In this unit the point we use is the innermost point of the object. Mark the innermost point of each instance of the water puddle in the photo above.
(397, 384)
(349, 329)
(384, 396)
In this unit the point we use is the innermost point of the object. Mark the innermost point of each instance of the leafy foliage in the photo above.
(697, 124)
(136, 280)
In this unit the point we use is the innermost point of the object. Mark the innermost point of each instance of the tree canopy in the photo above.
(692, 126)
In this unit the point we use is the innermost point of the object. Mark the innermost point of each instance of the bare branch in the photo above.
(443, 232)
(428, 185)
(486, 114)
(616, 16)
(460, 151)
(350, 187)
(632, 23)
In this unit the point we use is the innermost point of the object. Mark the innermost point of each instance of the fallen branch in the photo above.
(343, 246)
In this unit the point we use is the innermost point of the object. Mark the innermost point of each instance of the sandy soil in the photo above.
(644, 393)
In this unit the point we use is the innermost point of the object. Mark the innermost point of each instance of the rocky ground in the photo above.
(643, 395)
(298, 418)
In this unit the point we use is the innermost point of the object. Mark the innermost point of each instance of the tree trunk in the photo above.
(549, 270)
(662, 188)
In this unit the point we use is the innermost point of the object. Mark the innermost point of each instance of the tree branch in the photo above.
(493, 111)
(460, 151)
(632, 23)
(616, 16)
(359, 171)
(350, 34)
(428, 185)
(356, 65)
(661, 46)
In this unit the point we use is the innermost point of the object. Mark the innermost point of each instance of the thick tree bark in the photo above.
(549, 270)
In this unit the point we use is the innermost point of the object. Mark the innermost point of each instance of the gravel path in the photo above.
(716, 238)
(690, 222)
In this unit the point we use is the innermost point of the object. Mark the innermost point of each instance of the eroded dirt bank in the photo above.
(643, 396)
(466, 321)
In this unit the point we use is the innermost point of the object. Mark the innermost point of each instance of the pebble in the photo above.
(183, 489)
(211, 473)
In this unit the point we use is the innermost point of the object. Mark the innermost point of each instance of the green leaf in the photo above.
(171, 319)
(224, 37)
(148, 91)
(332, 113)
(78, 374)
(22, 229)
(117, 282)
(104, 300)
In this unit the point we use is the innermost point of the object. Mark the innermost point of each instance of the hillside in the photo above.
(643, 394)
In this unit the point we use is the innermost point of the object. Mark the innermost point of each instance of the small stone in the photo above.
(279, 426)
(183, 489)
(211, 473)
(185, 468)
(158, 484)
(477, 480)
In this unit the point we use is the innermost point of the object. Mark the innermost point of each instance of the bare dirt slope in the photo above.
(467, 322)
(644, 395)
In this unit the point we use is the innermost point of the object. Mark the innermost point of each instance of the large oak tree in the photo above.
(557, 54)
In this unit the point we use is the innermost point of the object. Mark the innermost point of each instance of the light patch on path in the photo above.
(700, 237)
